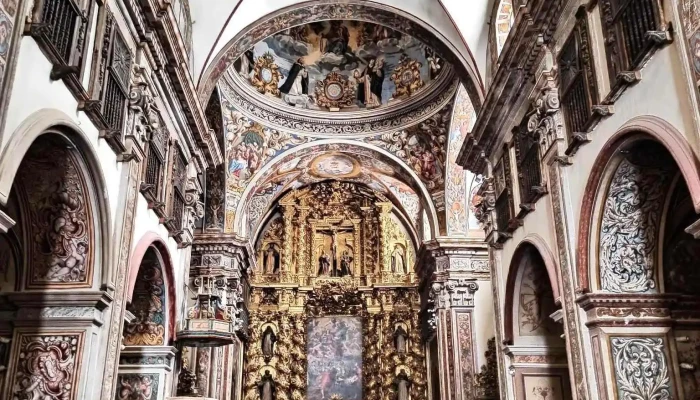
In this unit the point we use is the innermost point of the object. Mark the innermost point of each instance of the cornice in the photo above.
(156, 26)
(322, 124)
(519, 62)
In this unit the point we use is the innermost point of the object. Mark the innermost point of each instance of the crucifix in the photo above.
(332, 264)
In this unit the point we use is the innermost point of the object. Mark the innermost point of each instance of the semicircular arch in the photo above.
(399, 19)
(348, 146)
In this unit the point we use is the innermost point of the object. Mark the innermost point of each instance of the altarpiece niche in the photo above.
(334, 311)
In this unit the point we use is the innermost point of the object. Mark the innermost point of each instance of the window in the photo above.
(527, 155)
(505, 17)
(152, 186)
(632, 29)
(59, 27)
(577, 82)
(177, 193)
(505, 211)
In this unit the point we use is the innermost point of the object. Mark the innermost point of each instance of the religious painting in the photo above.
(334, 165)
(360, 57)
(334, 351)
(543, 388)
(689, 12)
(536, 301)
(148, 305)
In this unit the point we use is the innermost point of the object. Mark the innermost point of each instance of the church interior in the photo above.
(350, 199)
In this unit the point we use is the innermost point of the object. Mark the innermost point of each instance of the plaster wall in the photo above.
(484, 321)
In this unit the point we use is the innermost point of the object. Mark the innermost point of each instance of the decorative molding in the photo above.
(6, 223)
(350, 124)
(641, 368)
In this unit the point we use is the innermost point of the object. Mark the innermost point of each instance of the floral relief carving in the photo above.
(47, 367)
(464, 330)
(641, 368)
(137, 387)
(60, 249)
(148, 305)
(630, 224)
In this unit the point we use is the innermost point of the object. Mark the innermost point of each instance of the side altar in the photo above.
(334, 305)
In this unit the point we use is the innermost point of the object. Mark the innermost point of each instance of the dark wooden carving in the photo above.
(577, 83)
(527, 155)
(59, 28)
(505, 207)
(152, 185)
(177, 193)
(633, 30)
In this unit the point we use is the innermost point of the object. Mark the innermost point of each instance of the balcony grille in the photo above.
(62, 19)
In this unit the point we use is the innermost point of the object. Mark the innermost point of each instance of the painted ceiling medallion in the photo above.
(266, 76)
(335, 92)
(334, 165)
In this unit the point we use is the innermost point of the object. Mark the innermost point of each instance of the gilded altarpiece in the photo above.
(334, 310)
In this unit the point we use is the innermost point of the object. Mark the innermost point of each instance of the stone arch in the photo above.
(424, 195)
(287, 17)
(151, 240)
(151, 262)
(532, 250)
(644, 128)
(71, 192)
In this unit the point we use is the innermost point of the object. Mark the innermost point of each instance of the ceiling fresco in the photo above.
(332, 161)
(339, 65)
(250, 146)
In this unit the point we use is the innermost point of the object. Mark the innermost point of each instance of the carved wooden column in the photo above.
(288, 212)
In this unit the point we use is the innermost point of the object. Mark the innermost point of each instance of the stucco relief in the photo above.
(148, 306)
(641, 368)
(466, 346)
(137, 387)
(630, 224)
(59, 217)
(47, 367)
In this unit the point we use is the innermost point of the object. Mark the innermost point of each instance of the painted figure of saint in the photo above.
(297, 82)
(369, 83)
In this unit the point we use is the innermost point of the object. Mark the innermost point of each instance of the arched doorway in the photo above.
(535, 342)
(641, 276)
(50, 285)
(147, 359)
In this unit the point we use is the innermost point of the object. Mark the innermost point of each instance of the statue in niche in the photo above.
(324, 265)
(267, 387)
(400, 340)
(268, 343)
(398, 264)
(402, 385)
(271, 261)
(345, 264)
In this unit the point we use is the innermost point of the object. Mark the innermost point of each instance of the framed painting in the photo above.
(334, 349)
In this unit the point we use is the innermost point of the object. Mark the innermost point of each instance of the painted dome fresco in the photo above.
(341, 66)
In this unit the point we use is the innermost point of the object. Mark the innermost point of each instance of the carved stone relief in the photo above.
(466, 344)
(47, 366)
(59, 217)
(630, 222)
(641, 368)
(137, 387)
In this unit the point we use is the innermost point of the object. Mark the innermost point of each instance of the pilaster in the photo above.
(451, 272)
